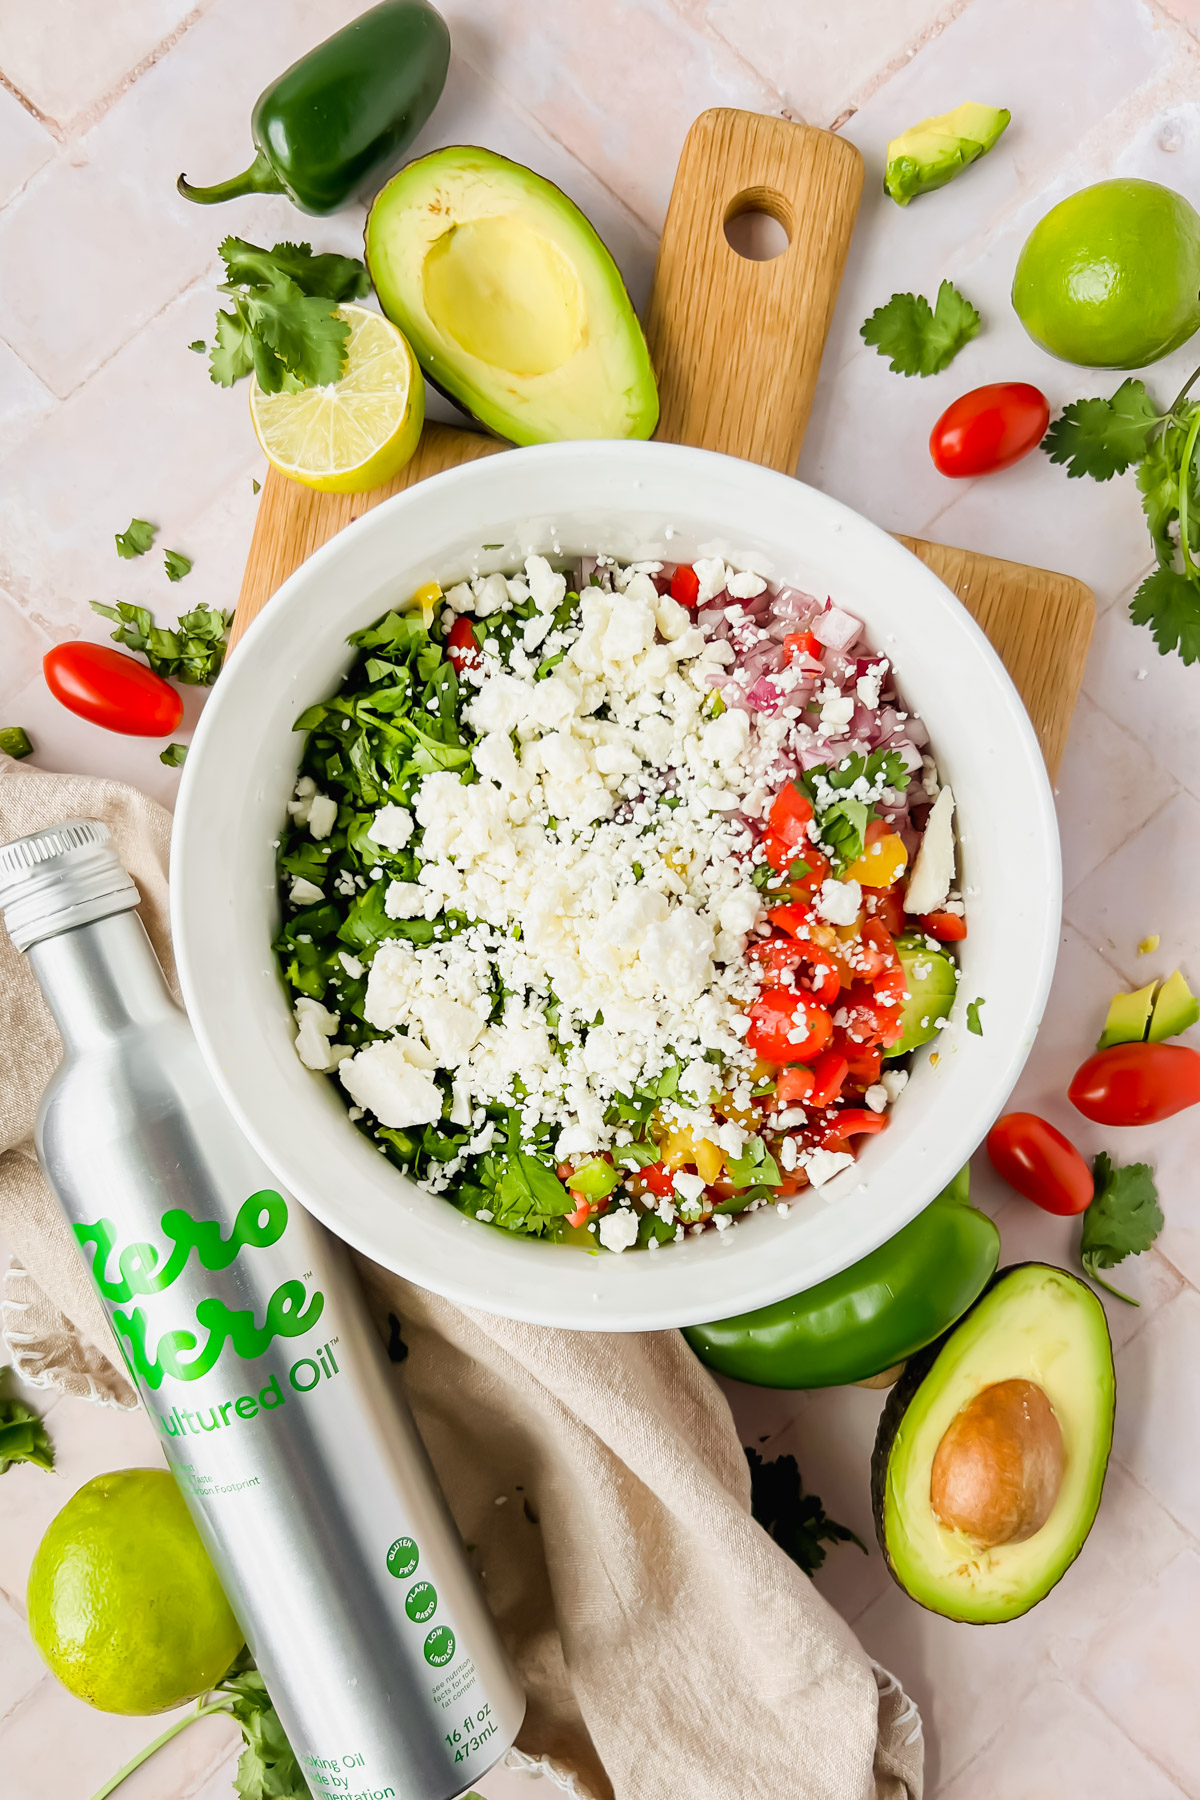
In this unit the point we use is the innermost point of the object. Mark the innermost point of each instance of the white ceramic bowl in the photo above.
(629, 499)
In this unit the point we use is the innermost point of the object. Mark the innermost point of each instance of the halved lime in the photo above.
(355, 433)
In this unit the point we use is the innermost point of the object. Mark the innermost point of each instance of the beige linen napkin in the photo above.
(670, 1650)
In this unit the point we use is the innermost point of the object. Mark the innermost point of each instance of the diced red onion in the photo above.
(836, 628)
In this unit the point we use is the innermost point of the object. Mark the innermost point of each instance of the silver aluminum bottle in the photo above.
(246, 1333)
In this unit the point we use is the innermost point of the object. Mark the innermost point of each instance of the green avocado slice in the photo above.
(932, 980)
(1175, 1009)
(930, 154)
(1128, 1017)
(512, 304)
(1033, 1323)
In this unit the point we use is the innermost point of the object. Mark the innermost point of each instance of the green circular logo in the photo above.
(439, 1646)
(420, 1602)
(403, 1558)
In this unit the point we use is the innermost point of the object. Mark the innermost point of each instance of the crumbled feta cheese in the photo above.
(876, 1097)
(391, 828)
(304, 892)
(837, 710)
(867, 686)
(822, 1165)
(788, 1152)
(688, 1187)
(839, 901)
(384, 1080)
(405, 900)
(322, 815)
(712, 576)
(316, 1025)
(546, 588)
(894, 1081)
(618, 1230)
(351, 964)
(744, 585)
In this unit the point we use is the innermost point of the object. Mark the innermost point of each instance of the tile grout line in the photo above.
(1125, 842)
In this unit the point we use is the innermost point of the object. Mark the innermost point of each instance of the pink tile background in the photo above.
(105, 276)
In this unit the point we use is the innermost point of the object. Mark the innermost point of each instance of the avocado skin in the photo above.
(897, 1404)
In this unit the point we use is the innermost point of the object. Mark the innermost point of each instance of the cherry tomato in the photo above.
(685, 585)
(825, 971)
(657, 1178)
(990, 428)
(111, 690)
(787, 1027)
(1036, 1159)
(855, 1121)
(1136, 1084)
(829, 1072)
(865, 1020)
(946, 927)
(863, 1061)
(461, 646)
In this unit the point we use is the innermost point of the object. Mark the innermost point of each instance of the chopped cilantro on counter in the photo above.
(1123, 1219)
(192, 653)
(918, 338)
(177, 564)
(175, 755)
(797, 1521)
(136, 538)
(23, 1437)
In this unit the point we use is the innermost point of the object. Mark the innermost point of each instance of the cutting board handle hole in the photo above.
(759, 224)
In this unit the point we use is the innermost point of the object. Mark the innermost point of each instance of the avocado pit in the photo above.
(999, 1467)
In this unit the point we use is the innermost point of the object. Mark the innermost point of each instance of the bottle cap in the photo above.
(57, 879)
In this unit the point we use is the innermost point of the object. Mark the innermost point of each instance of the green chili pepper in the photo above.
(872, 1315)
(345, 112)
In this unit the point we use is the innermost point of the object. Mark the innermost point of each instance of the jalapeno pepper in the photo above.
(344, 113)
(872, 1315)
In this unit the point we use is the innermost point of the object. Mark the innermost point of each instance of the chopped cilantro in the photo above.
(198, 345)
(136, 538)
(175, 755)
(921, 339)
(842, 815)
(192, 653)
(797, 1521)
(178, 565)
(23, 1437)
(1123, 1219)
(974, 1023)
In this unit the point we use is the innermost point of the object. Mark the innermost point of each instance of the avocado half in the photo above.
(931, 975)
(513, 305)
(1034, 1327)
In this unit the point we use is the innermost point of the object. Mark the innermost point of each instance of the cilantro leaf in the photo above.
(175, 755)
(921, 339)
(1124, 1219)
(974, 1022)
(136, 539)
(192, 653)
(178, 565)
(755, 1167)
(797, 1521)
(1101, 438)
(1170, 605)
(267, 1765)
(198, 345)
(284, 326)
(842, 816)
(23, 1437)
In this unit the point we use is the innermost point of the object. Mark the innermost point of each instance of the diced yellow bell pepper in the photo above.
(682, 1146)
(880, 864)
(427, 598)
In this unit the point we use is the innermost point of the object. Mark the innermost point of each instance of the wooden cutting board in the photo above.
(737, 348)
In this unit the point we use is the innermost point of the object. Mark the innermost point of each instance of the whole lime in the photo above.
(1111, 276)
(124, 1604)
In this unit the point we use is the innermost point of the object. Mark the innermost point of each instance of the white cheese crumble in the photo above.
(618, 1230)
(839, 901)
(304, 892)
(822, 1165)
(391, 827)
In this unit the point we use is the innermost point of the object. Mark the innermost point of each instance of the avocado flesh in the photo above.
(512, 303)
(930, 154)
(1128, 1017)
(1035, 1323)
(1175, 1009)
(930, 995)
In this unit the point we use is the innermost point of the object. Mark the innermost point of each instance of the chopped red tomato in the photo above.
(890, 985)
(657, 1178)
(864, 1060)
(685, 585)
(793, 1086)
(829, 1072)
(787, 1027)
(853, 1121)
(781, 857)
(946, 927)
(886, 905)
(802, 644)
(877, 951)
(787, 826)
(461, 646)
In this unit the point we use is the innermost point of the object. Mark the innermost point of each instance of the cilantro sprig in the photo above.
(1102, 438)
(843, 797)
(797, 1521)
(23, 1437)
(1123, 1219)
(284, 325)
(918, 338)
(267, 1764)
(191, 653)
